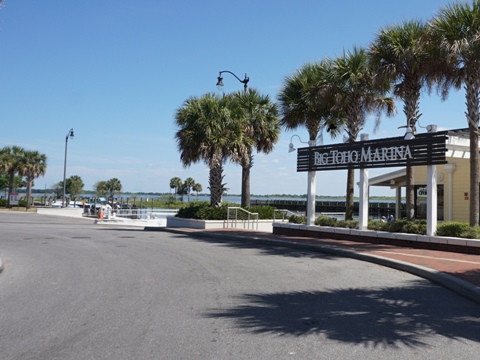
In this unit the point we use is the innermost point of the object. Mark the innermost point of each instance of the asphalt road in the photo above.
(75, 290)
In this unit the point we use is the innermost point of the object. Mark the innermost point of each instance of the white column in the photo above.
(363, 200)
(431, 199)
(450, 168)
(312, 175)
(398, 203)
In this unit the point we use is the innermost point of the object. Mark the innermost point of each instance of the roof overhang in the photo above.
(392, 179)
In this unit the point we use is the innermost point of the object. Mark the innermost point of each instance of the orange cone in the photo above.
(100, 214)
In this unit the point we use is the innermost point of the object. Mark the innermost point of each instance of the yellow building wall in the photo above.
(460, 186)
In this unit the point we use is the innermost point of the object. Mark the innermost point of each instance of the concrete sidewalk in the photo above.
(455, 271)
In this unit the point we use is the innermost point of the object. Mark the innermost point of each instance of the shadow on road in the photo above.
(386, 317)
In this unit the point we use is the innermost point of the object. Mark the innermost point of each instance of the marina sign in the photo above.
(425, 149)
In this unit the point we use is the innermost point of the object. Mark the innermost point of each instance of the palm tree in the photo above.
(209, 131)
(261, 126)
(197, 188)
(113, 185)
(32, 165)
(400, 56)
(304, 101)
(175, 183)
(188, 184)
(455, 32)
(357, 94)
(10, 163)
(74, 187)
(100, 187)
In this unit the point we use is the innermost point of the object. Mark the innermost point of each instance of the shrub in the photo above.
(377, 225)
(295, 219)
(325, 221)
(264, 211)
(348, 224)
(453, 229)
(204, 211)
(212, 213)
(190, 211)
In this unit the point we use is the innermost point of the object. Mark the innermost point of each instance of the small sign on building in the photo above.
(13, 198)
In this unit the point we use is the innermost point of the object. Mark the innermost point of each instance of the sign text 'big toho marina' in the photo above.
(365, 154)
(425, 149)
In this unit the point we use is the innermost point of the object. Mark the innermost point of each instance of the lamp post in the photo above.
(69, 134)
(311, 182)
(220, 80)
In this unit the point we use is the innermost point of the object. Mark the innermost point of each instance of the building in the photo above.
(453, 182)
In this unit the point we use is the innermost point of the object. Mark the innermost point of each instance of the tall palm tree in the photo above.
(210, 131)
(305, 103)
(188, 184)
(455, 31)
(10, 163)
(358, 94)
(32, 165)
(113, 185)
(261, 126)
(400, 56)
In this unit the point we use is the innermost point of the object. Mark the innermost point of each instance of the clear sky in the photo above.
(116, 70)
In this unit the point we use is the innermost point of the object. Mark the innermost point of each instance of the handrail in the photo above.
(285, 214)
(248, 218)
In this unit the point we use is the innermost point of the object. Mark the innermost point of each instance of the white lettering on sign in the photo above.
(335, 157)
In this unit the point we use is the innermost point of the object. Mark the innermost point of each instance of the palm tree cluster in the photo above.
(216, 129)
(340, 94)
(402, 60)
(28, 164)
(108, 187)
(185, 187)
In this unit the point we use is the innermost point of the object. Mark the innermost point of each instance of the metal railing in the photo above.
(282, 214)
(238, 216)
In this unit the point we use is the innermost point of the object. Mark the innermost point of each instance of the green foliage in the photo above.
(204, 211)
(452, 229)
(455, 229)
(295, 219)
(213, 212)
(264, 212)
(326, 221)
(348, 224)
(401, 226)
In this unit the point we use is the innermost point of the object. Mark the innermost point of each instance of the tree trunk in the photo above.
(10, 188)
(410, 193)
(474, 177)
(246, 167)
(216, 186)
(349, 198)
(472, 86)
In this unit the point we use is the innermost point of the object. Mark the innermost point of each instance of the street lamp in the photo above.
(220, 80)
(69, 134)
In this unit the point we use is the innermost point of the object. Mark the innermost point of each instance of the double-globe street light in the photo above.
(69, 134)
(220, 80)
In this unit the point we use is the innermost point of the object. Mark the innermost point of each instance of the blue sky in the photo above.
(116, 71)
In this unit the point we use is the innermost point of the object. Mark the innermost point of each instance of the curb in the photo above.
(459, 286)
